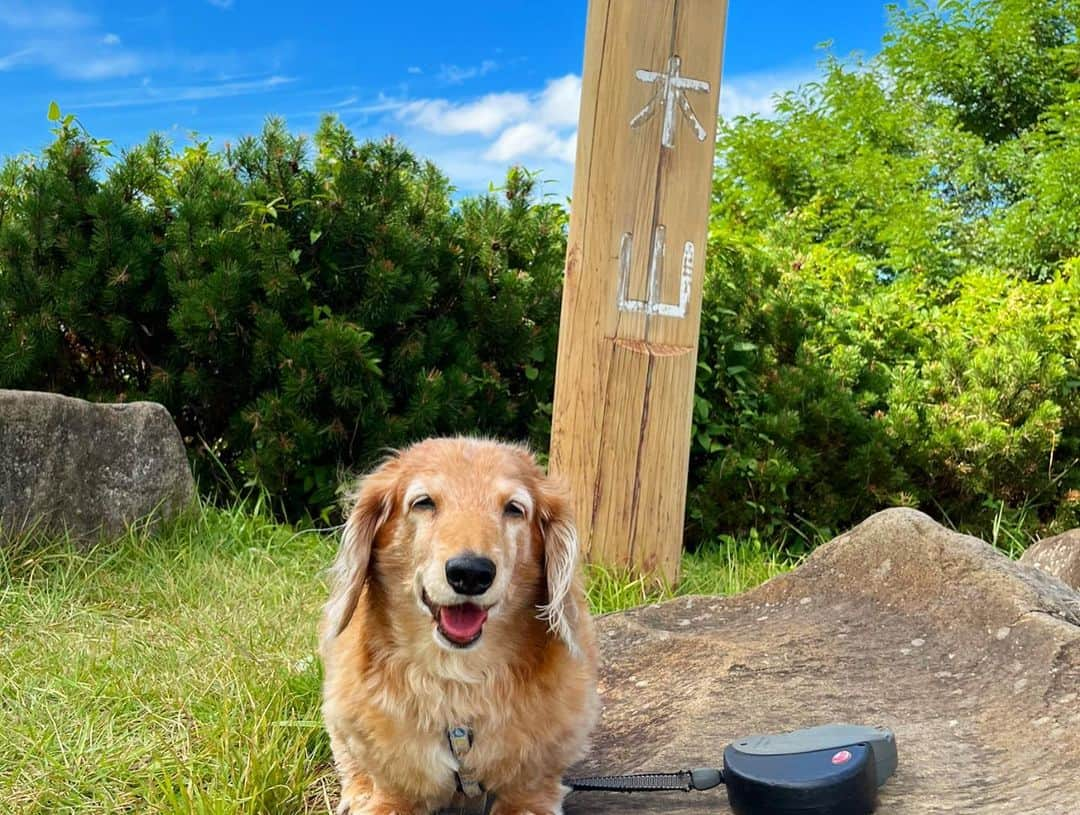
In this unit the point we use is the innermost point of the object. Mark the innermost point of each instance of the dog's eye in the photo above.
(514, 510)
(423, 502)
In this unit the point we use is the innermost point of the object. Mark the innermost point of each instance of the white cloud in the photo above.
(553, 109)
(9, 61)
(567, 151)
(104, 67)
(68, 42)
(150, 95)
(748, 94)
(465, 165)
(41, 16)
(60, 38)
(475, 139)
(559, 101)
(75, 60)
(529, 139)
(414, 69)
(537, 129)
(485, 115)
(382, 104)
(521, 140)
(455, 74)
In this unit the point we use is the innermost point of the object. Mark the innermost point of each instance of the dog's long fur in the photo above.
(394, 686)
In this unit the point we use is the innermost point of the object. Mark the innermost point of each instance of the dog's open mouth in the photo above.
(460, 624)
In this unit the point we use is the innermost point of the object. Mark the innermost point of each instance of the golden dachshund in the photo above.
(457, 602)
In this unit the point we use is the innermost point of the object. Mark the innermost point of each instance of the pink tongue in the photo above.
(462, 622)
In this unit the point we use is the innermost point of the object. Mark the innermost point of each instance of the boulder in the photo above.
(88, 468)
(972, 660)
(1059, 555)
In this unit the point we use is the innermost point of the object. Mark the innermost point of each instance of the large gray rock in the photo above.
(1059, 555)
(972, 660)
(88, 468)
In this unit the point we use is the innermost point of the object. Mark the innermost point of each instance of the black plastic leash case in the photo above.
(829, 770)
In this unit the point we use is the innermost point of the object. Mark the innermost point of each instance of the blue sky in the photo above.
(474, 90)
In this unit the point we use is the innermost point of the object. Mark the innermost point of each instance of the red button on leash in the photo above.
(841, 757)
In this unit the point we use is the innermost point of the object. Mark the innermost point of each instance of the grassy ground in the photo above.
(177, 674)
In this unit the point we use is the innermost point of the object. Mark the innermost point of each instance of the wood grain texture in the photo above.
(625, 377)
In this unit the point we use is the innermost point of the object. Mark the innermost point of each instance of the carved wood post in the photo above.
(632, 301)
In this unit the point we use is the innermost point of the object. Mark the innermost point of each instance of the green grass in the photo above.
(164, 675)
(177, 673)
(728, 567)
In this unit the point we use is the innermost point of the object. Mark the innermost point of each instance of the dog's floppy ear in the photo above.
(561, 571)
(371, 508)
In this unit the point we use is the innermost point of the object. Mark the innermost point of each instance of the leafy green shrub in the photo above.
(298, 308)
(824, 395)
(892, 311)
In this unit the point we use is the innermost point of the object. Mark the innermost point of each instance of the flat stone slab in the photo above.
(972, 660)
(1059, 556)
(85, 467)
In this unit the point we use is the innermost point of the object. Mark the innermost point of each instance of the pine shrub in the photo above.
(299, 307)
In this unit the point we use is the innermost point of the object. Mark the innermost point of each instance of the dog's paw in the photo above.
(355, 794)
(544, 801)
(352, 805)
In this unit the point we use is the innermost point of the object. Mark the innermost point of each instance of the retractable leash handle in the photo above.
(834, 769)
(703, 778)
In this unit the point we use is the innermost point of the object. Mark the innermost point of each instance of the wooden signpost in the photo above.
(636, 256)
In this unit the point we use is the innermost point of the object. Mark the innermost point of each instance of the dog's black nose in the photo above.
(470, 574)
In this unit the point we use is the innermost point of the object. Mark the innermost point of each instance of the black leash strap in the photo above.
(704, 778)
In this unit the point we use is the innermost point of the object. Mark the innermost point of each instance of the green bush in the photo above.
(824, 394)
(893, 297)
(298, 308)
